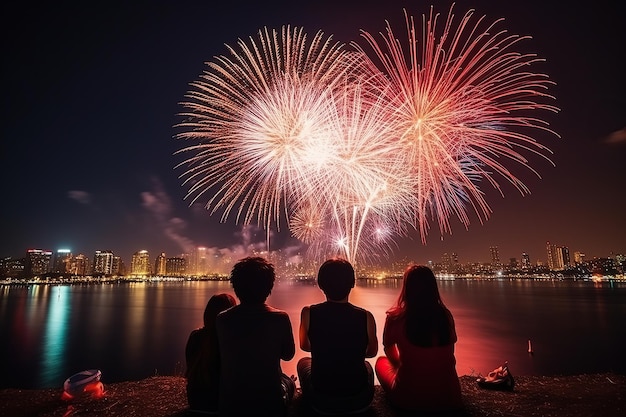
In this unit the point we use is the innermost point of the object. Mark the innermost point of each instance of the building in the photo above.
(118, 266)
(140, 265)
(103, 262)
(526, 265)
(175, 267)
(12, 268)
(38, 262)
(62, 260)
(79, 265)
(495, 257)
(579, 258)
(200, 262)
(160, 265)
(558, 257)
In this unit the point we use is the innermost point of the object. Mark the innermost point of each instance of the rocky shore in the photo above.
(579, 395)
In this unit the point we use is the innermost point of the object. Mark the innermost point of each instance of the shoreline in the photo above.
(581, 395)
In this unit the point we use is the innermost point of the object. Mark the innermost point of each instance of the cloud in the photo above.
(159, 204)
(81, 197)
(617, 137)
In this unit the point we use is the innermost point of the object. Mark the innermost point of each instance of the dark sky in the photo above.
(90, 97)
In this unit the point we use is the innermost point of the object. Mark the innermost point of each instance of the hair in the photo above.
(428, 321)
(252, 279)
(215, 305)
(336, 278)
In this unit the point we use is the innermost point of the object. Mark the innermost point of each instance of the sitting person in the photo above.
(419, 371)
(337, 379)
(253, 338)
(202, 358)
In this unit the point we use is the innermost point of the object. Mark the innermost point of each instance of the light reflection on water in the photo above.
(132, 331)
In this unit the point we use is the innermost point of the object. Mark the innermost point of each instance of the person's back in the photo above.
(419, 369)
(338, 335)
(203, 360)
(253, 339)
(337, 379)
(426, 379)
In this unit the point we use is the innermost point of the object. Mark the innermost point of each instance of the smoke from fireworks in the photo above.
(352, 150)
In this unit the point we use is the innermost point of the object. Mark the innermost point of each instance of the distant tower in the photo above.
(200, 264)
(176, 267)
(38, 262)
(445, 262)
(558, 257)
(525, 261)
(118, 266)
(62, 259)
(551, 252)
(103, 262)
(159, 265)
(140, 265)
(79, 265)
(495, 256)
(579, 257)
(565, 256)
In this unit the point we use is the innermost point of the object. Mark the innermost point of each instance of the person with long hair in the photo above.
(419, 369)
(203, 359)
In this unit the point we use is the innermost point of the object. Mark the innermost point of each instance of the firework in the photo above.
(352, 151)
(462, 97)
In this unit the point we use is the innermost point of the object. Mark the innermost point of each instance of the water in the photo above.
(136, 330)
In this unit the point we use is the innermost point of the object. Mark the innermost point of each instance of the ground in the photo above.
(580, 395)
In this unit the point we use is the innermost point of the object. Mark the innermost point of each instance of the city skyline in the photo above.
(550, 258)
(91, 101)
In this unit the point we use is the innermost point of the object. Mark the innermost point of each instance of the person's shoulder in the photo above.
(224, 315)
(274, 310)
(362, 309)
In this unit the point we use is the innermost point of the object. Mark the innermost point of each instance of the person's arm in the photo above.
(289, 346)
(372, 339)
(393, 354)
(305, 344)
(389, 344)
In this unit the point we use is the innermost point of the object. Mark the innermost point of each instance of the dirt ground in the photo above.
(581, 395)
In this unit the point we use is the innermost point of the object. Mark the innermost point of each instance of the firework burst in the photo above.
(462, 96)
(352, 151)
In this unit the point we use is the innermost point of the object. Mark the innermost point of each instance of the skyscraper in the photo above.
(495, 256)
(558, 257)
(176, 267)
(160, 265)
(79, 265)
(38, 262)
(140, 265)
(200, 261)
(103, 262)
(62, 259)
(525, 261)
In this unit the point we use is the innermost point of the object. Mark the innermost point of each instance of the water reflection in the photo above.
(132, 331)
(55, 338)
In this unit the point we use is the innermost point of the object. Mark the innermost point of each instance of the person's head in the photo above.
(428, 322)
(336, 278)
(217, 304)
(252, 279)
(419, 288)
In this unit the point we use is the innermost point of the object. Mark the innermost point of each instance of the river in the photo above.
(135, 330)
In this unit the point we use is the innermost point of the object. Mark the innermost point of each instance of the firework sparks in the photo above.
(460, 99)
(350, 155)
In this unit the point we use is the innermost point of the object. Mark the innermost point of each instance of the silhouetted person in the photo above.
(337, 379)
(253, 338)
(419, 371)
(203, 360)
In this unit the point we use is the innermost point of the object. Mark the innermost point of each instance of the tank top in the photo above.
(338, 336)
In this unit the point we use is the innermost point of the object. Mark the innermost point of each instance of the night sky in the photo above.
(91, 95)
